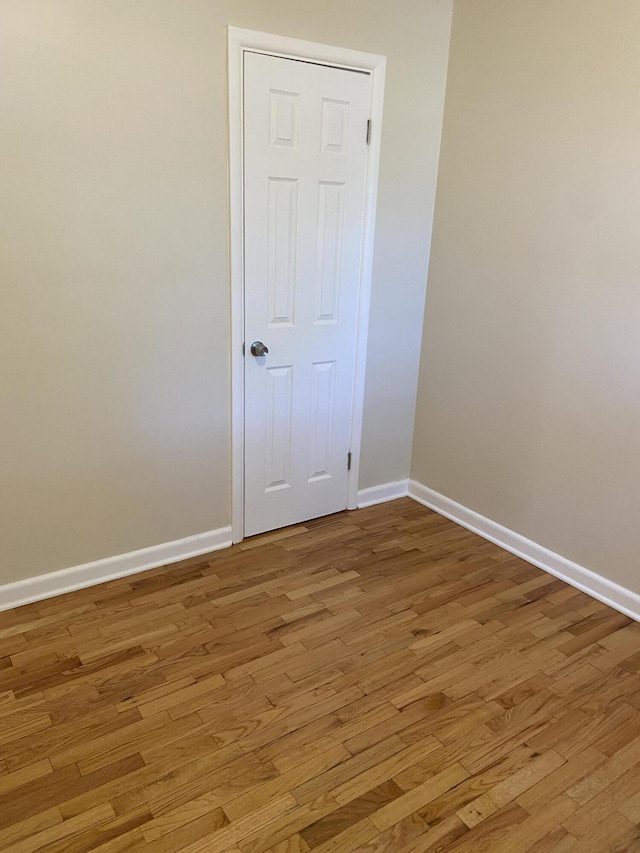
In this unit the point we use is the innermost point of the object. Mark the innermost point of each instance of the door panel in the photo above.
(305, 163)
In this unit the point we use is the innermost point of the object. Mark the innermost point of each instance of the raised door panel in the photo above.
(279, 433)
(281, 252)
(323, 401)
(335, 126)
(283, 119)
(329, 251)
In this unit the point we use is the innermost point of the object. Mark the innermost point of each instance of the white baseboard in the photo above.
(383, 493)
(89, 574)
(607, 591)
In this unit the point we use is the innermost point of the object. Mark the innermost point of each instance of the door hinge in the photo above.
(349, 461)
(242, 347)
(369, 132)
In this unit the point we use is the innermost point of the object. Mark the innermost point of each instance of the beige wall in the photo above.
(529, 395)
(114, 300)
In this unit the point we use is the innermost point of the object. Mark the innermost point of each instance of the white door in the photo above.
(305, 164)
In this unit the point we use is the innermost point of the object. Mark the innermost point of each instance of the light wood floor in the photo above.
(377, 680)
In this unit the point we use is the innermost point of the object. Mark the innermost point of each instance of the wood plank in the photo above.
(376, 680)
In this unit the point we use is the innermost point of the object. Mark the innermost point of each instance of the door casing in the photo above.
(240, 40)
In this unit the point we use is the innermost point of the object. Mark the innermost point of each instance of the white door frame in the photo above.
(241, 40)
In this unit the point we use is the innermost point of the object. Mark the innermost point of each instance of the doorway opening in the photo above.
(304, 146)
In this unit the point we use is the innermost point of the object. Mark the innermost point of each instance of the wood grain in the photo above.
(378, 680)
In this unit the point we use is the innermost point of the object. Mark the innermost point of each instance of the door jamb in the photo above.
(239, 41)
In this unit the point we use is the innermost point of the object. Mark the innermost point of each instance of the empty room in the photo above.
(320, 426)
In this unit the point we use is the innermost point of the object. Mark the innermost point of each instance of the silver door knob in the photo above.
(258, 349)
